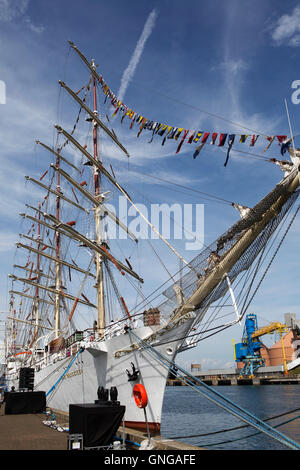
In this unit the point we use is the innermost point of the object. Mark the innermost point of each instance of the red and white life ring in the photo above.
(140, 395)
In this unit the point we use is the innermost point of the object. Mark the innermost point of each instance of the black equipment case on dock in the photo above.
(24, 402)
(98, 423)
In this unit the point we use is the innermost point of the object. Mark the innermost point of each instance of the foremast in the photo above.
(241, 236)
(58, 285)
(98, 228)
(247, 234)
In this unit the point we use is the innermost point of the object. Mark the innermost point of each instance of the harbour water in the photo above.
(186, 413)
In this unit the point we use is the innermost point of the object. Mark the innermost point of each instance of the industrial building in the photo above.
(273, 356)
(280, 362)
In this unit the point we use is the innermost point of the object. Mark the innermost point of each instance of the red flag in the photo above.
(205, 137)
(182, 140)
(254, 139)
(222, 140)
(270, 139)
(117, 109)
(213, 138)
(191, 138)
(281, 138)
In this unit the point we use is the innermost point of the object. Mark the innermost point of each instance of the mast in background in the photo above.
(36, 307)
(97, 184)
(57, 264)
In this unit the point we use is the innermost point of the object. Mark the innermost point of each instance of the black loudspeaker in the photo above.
(102, 394)
(26, 378)
(97, 423)
(113, 394)
(25, 402)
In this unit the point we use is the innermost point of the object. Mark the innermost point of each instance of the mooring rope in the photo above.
(239, 427)
(216, 397)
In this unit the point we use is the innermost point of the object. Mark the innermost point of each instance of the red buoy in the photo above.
(140, 395)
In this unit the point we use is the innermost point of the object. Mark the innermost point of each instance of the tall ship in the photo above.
(69, 317)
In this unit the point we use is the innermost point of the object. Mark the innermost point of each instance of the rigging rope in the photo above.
(237, 427)
(51, 373)
(216, 397)
(223, 327)
(245, 307)
(52, 389)
(202, 110)
(218, 199)
(250, 435)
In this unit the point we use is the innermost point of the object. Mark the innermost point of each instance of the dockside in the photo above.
(27, 432)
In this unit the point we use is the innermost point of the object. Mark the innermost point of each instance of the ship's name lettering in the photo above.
(72, 374)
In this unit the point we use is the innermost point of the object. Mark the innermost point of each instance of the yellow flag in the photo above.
(168, 131)
(178, 133)
(164, 127)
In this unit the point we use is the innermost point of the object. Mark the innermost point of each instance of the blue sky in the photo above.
(202, 65)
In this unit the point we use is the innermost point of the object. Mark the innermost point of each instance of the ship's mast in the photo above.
(38, 273)
(57, 264)
(97, 185)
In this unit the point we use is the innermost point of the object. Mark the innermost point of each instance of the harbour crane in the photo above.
(248, 351)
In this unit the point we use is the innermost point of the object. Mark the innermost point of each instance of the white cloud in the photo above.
(234, 73)
(32, 122)
(34, 28)
(7, 241)
(11, 10)
(129, 71)
(232, 66)
(295, 41)
(287, 29)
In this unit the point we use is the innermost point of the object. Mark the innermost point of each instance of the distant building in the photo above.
(196, 368)
(291, 321)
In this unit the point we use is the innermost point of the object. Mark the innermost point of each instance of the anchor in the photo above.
(134, 374)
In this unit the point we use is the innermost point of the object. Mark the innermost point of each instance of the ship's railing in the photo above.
(72, 343)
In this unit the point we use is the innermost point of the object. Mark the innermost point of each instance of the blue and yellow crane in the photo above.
(248, 351)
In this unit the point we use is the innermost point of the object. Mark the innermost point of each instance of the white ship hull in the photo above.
(96, 367)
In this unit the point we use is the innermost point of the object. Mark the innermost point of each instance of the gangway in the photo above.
(214, 396)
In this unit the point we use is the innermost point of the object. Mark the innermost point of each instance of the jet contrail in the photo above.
(129, 71)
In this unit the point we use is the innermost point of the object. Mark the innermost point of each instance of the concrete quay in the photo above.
(27, 432)
(134, 436)
(273, 375)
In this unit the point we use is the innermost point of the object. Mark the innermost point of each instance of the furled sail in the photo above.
(235, 250)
